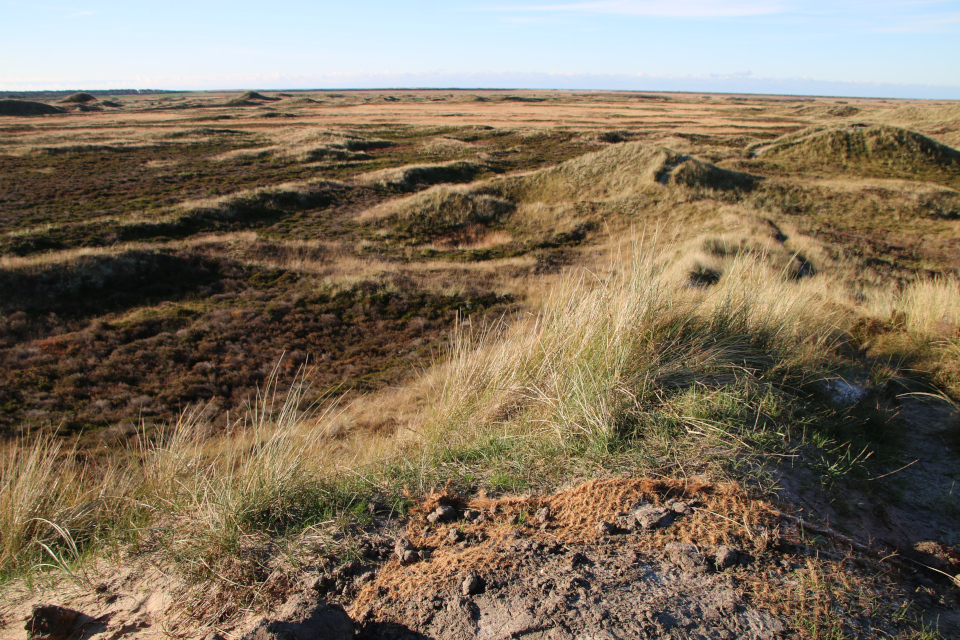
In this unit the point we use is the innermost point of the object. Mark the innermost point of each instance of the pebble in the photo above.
(726, 557)
(472, 584)
(685, 555)
(681, 508)
(650, 517)
(543, 515)
(442, 513)
(405, 551)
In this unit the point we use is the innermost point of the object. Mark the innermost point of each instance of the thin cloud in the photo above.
(931, 24)
(659, 8)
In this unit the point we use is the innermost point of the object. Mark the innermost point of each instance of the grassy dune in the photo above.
(634, 371)
(285, 327)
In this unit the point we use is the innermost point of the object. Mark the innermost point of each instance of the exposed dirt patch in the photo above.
(608, 559)
(618, 558)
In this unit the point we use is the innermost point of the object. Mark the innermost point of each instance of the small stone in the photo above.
(472, 584)
(543, 515)
(472, 514)
(685, 555)
(454, 535)
(681, 508)
(650, 517)
(442, 513)
(604, 528)
(726, 557)
(405, 551)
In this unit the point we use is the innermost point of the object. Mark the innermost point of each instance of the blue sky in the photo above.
(843, 47)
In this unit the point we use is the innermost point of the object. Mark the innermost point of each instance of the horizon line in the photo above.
(427, 88)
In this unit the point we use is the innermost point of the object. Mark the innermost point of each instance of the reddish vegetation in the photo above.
(74, 365)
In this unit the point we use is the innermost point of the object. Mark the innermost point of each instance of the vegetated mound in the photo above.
(27, 108)
(253, 95)
(79, 98)
(876, 150)
(624, 170)
(201, 132)
(308, 145)
(843, 111)
(619, 172)
(923, 115)
(413, 177)
(297, 102)
(837, 111)
(612, 137)
(442, 212)
(266, 201)
(111, 104)
(522, 99)
(697, 173)
(355, 142)
(942, 122)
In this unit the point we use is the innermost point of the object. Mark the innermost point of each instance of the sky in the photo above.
(841, 47)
